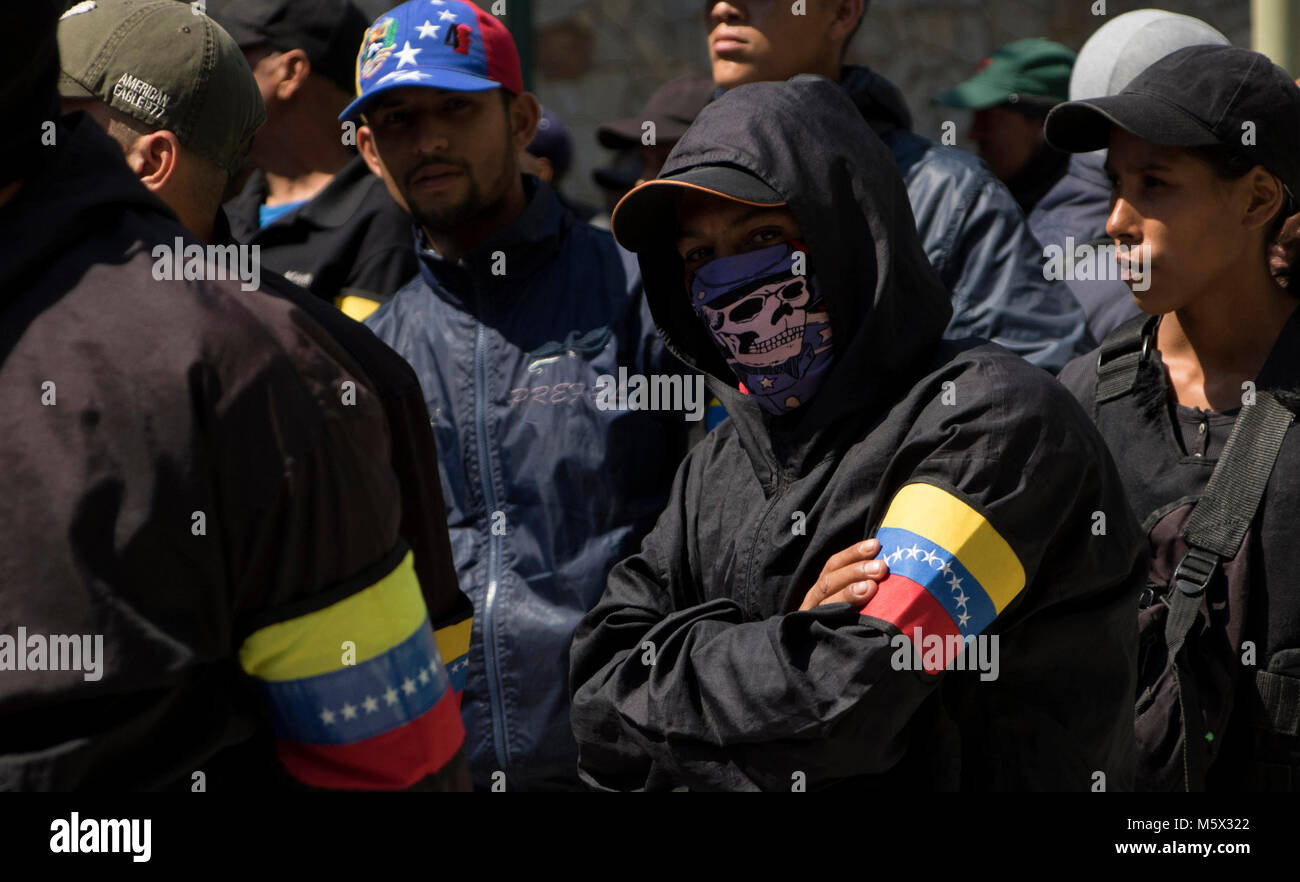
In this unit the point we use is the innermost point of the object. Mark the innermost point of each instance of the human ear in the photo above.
(154, 158)
(1266, 198)
(525, 114)
(291, 73)
(369, 150)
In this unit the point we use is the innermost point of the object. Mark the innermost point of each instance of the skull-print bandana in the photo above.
(770, 324)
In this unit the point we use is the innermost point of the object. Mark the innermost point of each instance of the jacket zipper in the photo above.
(490, 660)
(751, 591)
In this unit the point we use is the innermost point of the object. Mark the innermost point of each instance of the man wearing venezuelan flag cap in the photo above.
(903, 561)
(516, 324)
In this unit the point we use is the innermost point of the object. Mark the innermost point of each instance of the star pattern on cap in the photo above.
(446, 15)
(428, 31)
(406, 55)
(404, 76)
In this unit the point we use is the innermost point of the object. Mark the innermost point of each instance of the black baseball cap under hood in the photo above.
(806, 142)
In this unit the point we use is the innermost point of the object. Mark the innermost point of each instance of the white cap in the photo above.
(1128, 44)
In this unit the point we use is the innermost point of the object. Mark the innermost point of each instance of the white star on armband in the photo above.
(930, 557)
(946, 569)
(390, 696)
(962, 620)
(962, 599)
(954, 582)
(408, 686)
(370, 704)
(428, 31)
(327, 717)
(446, 16)
(424, 677)
(349, 712)
(913, 552)
(406, 55)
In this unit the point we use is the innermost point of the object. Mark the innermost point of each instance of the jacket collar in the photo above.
(341, 199)
(1090, 168)
(880, 102)
(528, 243)
(1281, 370)
(1039, 174)
(332, 207)
(84, 181)
(222, 234)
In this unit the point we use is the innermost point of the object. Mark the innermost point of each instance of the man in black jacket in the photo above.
(971, 228)
(318, 214)
(186, 166)
(998, 652)
(203, 582)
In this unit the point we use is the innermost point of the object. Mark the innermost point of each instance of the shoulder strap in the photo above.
(1121, 356)
(1214, 533)
(1228, 505)
(1280, 699)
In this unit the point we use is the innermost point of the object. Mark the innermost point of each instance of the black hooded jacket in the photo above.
(195, 476)
(694, 669)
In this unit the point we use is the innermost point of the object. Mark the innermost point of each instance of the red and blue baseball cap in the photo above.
(441, 44)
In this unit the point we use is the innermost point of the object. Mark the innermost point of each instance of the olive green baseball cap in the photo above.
(167, 65)
(1032, 70)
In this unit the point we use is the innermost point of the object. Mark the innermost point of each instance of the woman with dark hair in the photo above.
(1196, 400)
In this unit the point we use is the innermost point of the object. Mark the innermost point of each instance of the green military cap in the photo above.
(168, 65)
(1033, 70)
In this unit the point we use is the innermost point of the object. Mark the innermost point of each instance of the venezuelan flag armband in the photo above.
(358, 694)
(950, 572)
(452, 634)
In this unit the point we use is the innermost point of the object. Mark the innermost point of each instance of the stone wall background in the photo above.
(599, 60)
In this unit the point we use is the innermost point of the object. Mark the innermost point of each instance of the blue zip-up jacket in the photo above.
(1077, 207)
(975, 237)
(545, 491)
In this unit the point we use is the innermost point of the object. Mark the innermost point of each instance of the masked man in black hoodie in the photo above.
(998, 652)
